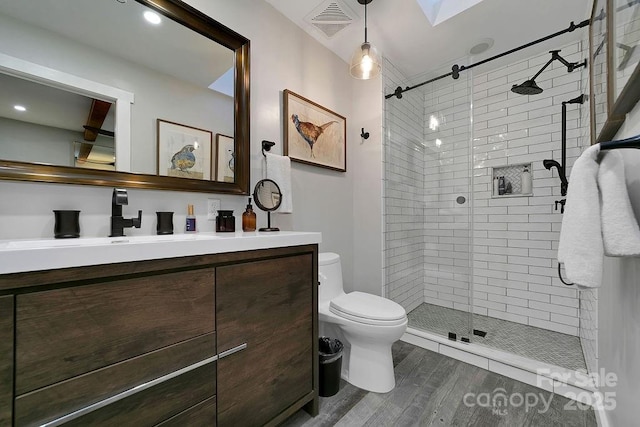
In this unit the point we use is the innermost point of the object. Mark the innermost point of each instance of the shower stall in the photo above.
(471, 239)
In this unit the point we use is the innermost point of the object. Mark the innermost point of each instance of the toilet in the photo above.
(366, 324)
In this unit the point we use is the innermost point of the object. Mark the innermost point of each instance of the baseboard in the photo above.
(571, 384)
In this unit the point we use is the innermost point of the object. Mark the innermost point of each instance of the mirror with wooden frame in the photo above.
(110, 99)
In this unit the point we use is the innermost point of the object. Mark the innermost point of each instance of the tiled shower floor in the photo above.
(535, 343)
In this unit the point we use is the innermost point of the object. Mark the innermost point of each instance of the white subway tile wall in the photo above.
(515, 240)
(403, 193)
(448, 178)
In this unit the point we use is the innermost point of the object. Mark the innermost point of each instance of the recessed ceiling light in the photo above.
(152, 17)
(19, 108)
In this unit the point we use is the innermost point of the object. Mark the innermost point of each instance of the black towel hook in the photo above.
(266, 146)
(363, 134)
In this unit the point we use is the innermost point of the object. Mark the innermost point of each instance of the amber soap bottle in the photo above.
(249, 218)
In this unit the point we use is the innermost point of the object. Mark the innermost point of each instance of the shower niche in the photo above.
(517, 178)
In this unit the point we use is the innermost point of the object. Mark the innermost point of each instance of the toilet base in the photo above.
(367, 362)
(370, 368)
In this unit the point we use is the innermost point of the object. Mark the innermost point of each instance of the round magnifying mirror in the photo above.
(267, 196)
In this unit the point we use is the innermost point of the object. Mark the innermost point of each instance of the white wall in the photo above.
(26, 142)
(366, 164)
(282, 57)
(619, 305)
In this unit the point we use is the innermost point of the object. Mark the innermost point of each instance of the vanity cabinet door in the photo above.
(6, 360)
(64, 333)
(268, 305)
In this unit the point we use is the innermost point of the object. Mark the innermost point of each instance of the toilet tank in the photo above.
(329, 276)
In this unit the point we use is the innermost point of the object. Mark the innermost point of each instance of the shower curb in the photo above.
(574, 385)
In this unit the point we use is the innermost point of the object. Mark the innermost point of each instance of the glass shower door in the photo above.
(427, 152)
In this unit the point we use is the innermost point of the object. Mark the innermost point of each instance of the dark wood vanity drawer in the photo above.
(54, 401)
(6, 359)
(155, 404)
(201, 415)
(67, 332)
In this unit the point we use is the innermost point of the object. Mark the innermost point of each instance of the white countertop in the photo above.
(17, 256)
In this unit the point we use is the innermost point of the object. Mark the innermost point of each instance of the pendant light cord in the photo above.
(365, 22)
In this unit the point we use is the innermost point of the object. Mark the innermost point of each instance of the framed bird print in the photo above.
(183, 151)
(225, 158)
(314, 134)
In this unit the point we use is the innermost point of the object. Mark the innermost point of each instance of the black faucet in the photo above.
(118, 223)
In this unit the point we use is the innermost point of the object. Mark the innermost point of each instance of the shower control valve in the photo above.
(561, 203)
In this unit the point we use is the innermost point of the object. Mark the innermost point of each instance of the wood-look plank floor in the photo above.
(430, 391)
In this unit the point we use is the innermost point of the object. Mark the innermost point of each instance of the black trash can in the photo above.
(330, 351)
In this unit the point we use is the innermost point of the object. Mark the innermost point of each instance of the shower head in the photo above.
(529, 87)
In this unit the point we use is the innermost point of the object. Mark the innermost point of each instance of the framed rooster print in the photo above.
(314, 134)
(183, 151)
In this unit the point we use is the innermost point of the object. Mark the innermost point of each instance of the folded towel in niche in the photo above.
(598, 217)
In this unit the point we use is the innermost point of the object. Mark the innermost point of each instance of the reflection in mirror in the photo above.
(268, 197)
(42, 124)
(175, 69)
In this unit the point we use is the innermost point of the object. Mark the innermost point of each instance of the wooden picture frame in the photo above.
(224, 162)
(313, 134)
(625, 32)
(622, 88)
(598, 63)
(183, 151)
(625, 60)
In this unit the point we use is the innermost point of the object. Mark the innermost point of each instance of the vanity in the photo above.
(196, 330)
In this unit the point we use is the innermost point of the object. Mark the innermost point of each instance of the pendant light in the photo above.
(365, 62)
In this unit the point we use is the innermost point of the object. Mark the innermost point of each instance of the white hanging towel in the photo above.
(598, 218)
(620, 229)
(279, 170)
(580, 247)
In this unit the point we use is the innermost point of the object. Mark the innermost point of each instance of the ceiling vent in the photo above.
(331, 17)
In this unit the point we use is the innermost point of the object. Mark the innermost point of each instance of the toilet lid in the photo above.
(367, 306)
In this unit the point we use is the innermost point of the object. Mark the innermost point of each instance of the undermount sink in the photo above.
(98, 241)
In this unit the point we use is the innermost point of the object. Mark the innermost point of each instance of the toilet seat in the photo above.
(368, 309)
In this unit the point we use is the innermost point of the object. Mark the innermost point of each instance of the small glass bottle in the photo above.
(190, 225)
(249, 218)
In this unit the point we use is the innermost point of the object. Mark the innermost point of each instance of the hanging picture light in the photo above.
(365, 62)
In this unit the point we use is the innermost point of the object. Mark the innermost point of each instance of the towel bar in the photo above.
(633, 142)
(560, 276)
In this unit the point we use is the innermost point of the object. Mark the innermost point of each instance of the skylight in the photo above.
(438, 11)
(224, 84)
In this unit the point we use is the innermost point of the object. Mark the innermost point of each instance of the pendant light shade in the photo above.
(365, 61)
